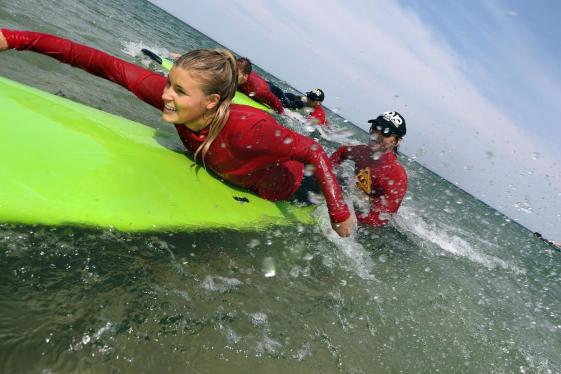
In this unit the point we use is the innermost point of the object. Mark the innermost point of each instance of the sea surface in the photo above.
(452, 286)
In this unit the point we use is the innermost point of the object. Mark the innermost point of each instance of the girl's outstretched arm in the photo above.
(145, 84)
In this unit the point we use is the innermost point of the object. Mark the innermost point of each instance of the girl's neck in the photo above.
(198, 125)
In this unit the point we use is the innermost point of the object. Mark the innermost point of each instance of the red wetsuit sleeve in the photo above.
(145, 84)
(387, 199)
(339, 155)
(258, 89)
(267, 97)
(268, 137)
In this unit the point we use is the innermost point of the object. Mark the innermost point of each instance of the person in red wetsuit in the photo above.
(378, 172)
(312, 100)
(254, 86)
(242, 145)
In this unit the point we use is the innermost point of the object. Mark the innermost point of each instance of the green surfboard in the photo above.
(64, 163)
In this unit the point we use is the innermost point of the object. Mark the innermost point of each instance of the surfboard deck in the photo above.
(64, 163)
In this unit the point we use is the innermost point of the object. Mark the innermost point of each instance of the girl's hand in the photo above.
(344, 228)
(3, 43)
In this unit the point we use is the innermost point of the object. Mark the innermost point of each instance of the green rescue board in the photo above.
(64, 163)
(243, 99)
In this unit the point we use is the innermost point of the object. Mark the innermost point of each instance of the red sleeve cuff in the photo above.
(340, 216)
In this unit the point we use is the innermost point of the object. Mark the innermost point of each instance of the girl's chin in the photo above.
(169, 117)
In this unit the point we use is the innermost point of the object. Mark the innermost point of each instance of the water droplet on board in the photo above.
(268, 267)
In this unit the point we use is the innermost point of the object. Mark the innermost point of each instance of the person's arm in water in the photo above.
(258, 89)
(267, 137)
(339, 155)
(145, 84)
(271, 100)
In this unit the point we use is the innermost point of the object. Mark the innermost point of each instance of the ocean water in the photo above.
(451, 286)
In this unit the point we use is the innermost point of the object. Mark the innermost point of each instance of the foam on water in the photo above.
(220, 284)
(86, 339)
(426, 233)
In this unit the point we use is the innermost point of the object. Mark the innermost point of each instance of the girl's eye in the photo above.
(179, 91)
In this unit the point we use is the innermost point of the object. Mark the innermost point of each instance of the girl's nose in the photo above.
(167, 94)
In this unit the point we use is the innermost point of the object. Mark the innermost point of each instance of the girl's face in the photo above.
(185, 102)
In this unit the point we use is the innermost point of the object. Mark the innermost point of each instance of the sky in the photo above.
(478, 82)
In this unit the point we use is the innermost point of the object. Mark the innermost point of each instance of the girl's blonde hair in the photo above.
(217, 72)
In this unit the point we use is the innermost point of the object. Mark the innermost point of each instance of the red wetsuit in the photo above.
(384, 180)
(319, 114)
(252, 150)
(258, 89)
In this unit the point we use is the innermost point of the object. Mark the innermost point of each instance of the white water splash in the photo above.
(134, 49)
(337, 135)
(259, 319)
(410, 223)
(267, 345)
(231, 336)
(299, 123)
(220, 284)
(303, 352)
(87, 339)
(357, 258)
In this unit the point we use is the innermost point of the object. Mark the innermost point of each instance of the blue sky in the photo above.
(479, 82)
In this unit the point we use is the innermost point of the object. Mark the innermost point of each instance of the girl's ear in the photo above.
(397, 141)
(212, 101)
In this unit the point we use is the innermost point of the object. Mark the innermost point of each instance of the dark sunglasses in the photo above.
(380, 130)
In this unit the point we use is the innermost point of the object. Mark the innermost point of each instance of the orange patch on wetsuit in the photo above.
(363, 180)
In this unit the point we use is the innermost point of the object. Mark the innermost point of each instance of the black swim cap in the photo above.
(316, 95)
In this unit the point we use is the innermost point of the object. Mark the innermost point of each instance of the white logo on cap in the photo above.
(316, 91)
(394, 118)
